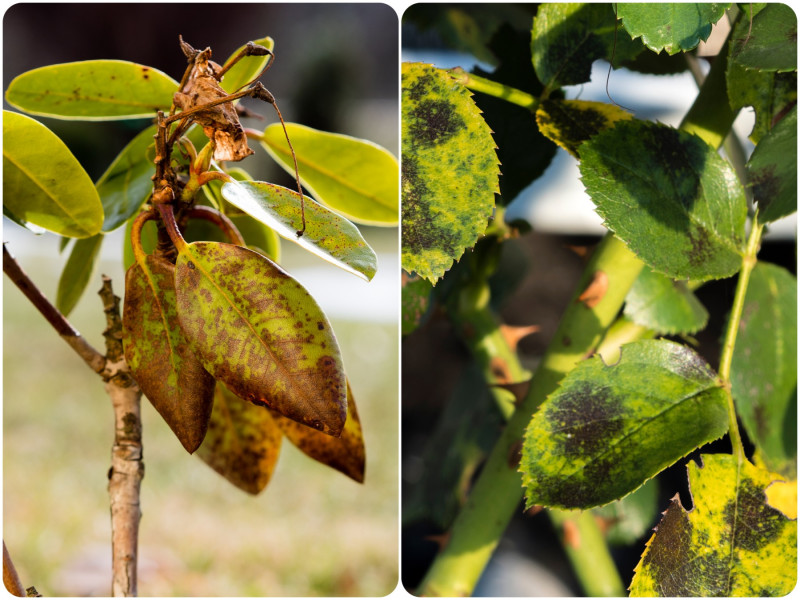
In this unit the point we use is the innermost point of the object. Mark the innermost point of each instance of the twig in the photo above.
(127, 468)
(10, 578)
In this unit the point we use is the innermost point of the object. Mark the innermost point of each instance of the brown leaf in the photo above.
(243, 442)
(167, 371)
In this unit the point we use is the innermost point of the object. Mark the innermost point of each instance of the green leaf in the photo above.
(569, 123)
(167, 371)
(764, 366)
(243, 442)
(771, 43)
(43, 183)
(260, 332)
(327, 235)
(670, 26)
(626, 520)
(354, 177)
(29, 226)
(666, 306)
(416, 300)
(669, 196)
(772, 170)
(346, 454)
(77, 272)
(610, 428)
(449, 171)
(94, 90)
(568, 37)
(732, 542)
(247, 69)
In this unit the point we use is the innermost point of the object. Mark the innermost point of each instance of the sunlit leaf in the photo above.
(327, 235)
(771, 40)
(43, 183)
(449, 171)
(569, 123)
(167, 371)
(247, 68)
(772, 170)
(345, 454)
(354, 177)
(260, 332)
(731, 543)
(610, 428)
(670, 26)
(669, 196)
(764, 367)
(243, 442)
(94, 90)
(29, 226)
(77, 272)
(666, 306)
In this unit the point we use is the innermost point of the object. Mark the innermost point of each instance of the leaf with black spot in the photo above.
(610, 428)
(569, 123)
(732, 543)
(669, 196)
(449, 171)
(771, 40)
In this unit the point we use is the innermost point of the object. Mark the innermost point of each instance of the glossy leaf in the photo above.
(247, 68)
(327, 235)
(346, 454)
(449, 171)
(772, 170)
(569, 123)
(731, 543)
(354, 177)
(627, 520)
(167, 371)
(77, 272)
(771, 43)
(610, 428)
(416, 300)
(764, 367)
(670, 26)
(666, 306)
(29, 226)
(94, 90)
(568, 37)
(43, 183)
(669, 196)
(243, 442)
(260, 332)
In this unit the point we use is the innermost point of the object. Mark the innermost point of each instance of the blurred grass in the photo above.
(312, 532)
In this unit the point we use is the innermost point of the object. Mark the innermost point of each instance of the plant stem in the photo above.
(497, 492)
(493, 88)
(749, 261)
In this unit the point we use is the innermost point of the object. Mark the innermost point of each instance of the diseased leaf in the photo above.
(247, 69)
(77, 272)
(43, 183)
(669, 196)
(260, 332)
(354, 177)
(764, 366)
(610, 428)
(449, 171)
(670, 26)
(93, 90)
(782, 496)
(258, 236)
(666, 306)
(243, 442)
(772, 170)
(416, 298)
(327, 235)
(732, 543)
(626, 520)
(568, 37)
(569, 123)
(346, 454)
(167, 371)
(771, 43)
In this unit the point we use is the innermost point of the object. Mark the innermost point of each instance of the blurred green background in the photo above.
(312, 532)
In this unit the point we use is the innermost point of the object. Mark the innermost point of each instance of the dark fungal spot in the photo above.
(585, 419)
(434, 122)
(755, 523)
(765, 185)
(701, 251)
(420, 87)
(320, 325)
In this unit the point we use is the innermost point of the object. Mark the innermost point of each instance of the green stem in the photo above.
(748, 264)
(493, 88)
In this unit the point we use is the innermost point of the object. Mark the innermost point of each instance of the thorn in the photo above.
(595, 291)
(440, 540)
(519, 389)
(513, 334)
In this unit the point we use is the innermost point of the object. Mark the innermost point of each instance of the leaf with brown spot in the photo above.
(345, 454)
(243, 442)
(261, 333)
(167, 371)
